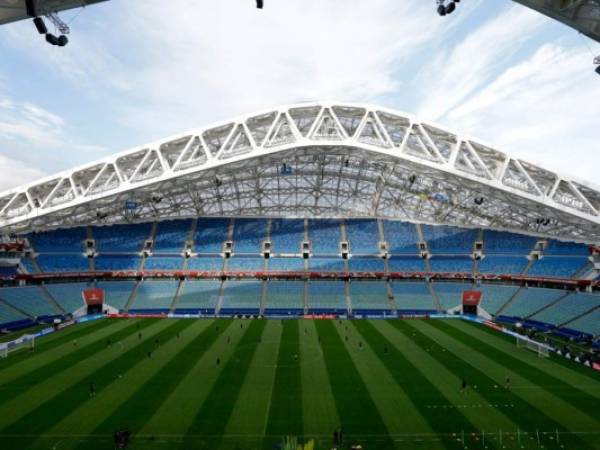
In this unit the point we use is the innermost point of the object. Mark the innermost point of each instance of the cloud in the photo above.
(15, 173)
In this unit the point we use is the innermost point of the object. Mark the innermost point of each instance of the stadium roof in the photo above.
(582, 15)
(13, 10)
(313, 160)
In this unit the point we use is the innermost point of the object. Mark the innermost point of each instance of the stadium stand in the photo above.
(494, 296)
(451, 264)
(402, 237)
(121, 238)
(286, 264)
(117, 262)
(171, 236)
(358, 264)
(442, 240)
(63, 241)
(326, 264)
(68, 295)
(287, 235)
(9, 315)
(116, 293)
(502, 242)
(154, 295)
(8, 271)
(163, 263)
(241, 297)
(530, 300)
(63, 262)
(324, 236)
(406, 264)
(557, 266)
(248, 235)
(369, 296)
(503, 264)
(240, 263)
(590, 323)
(568, 308)
(30, 299)
(210, 235)
(555, 247)
(205, 263)
(28, 265)
(363, 236)
(412, 296)
(198, 296)
(327, 297)
(450, 294)
(285, 297)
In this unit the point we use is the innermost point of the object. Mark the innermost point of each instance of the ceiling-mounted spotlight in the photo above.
(51, 39)
(259, 4)
(62, 40)
(444, 8)
(40, 25)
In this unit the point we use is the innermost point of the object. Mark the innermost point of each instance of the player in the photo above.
(218, 362)
(140, 335)
(463, 386)
(92, 390)
(507, 382)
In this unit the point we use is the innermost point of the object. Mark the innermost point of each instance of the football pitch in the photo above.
(244, 384)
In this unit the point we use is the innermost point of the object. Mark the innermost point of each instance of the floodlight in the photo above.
(450, 8)
(598, 70)
(441, 10)
(62, 40)
(51, 39)
(259, 4)
(40, 25)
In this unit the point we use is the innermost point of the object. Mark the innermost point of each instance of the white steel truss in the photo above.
(314, 160)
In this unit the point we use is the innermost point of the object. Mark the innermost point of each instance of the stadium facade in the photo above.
(317, 208)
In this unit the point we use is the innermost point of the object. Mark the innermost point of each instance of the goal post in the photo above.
(25, 341)
(542, 350)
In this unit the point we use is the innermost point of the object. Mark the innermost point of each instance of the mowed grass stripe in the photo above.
(211, 419)
(319, 413)
(359, 417)
(53, 341)
(568, 371)
(419, 390)
(526, 413)
(32, 397)
(192, 390)
(285, 412)
(15, 383)
(555, 386)
(52, 411)
(168, 366)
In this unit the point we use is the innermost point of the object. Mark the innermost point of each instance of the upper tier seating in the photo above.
(326, 264)
(163, 263)
(443, 240)
(363, 236)
(503, 264)
(67, 240)
(500, 242)
(117, 262)
(283, 295)
(555, 247)
(367, 295)
(243, 296)
(568, 308)
(6, 271)
(451, 264)
(324, 235)
(450, 294)
(68, 295)
(238, 263)
(410, 295)
(28, 264)
(30, 299)
(212, 263)
(8, 315)
(171, 236)
(116, 293)
(402, 237)
(153, 294)
(327, 295)
(210, 235)
(286, 264)
(590, 323)
(557, 266)
(287, 235)
(202, 294)
(530, 300)
(406, 264)
(248, 235)
(74, 262)
(122, 238)
(494, 296)
(366, 265)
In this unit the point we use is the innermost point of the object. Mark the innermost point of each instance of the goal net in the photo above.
(25, 341)
(542, 350)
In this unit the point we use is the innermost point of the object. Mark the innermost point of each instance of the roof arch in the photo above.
(323, 159)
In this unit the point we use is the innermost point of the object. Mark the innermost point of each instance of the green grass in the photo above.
(388, 384)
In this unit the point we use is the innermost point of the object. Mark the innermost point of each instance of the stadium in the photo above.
(326, 274)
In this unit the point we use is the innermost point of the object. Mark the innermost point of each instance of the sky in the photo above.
(493, 70)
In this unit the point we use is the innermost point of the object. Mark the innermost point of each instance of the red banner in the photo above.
(471, 298)
(94, 296)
